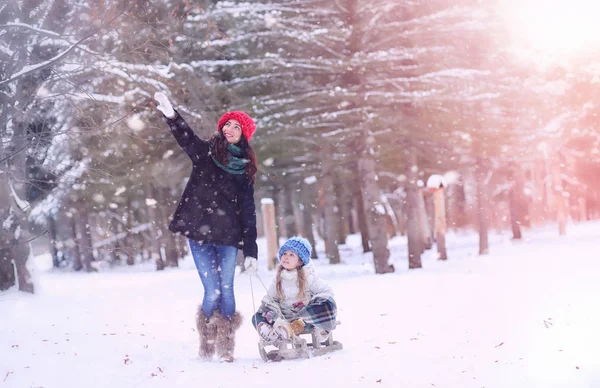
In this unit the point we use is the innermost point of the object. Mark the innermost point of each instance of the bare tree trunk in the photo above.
(413, 230)
(115, 254)
(21, 252)
(270, 226)
(517, 205)
(128, 240)
(163, 227)
(481, 176)
(14, 235)
(307, 218)
(296, 198)
(390, 216)
(559, 199)
(276, 197)
(331, 217)
(138, 238)
(524, 211)
(156, 228)
(581, 207)
(171, 259)
(549, 197)
(515, 221)
(14, 228)
(364, 199)
(320, 217)
(182, 247)
(341, 212)
(84, 238)
(398, 206)
(350, 219)
(538, 207)
(7, 269)
(457, 205)
(280, 208)
(289, 219)
(171, 253)
(9, 225)
(362, 217)
(52, 239)
(375, 212)
(73, 244)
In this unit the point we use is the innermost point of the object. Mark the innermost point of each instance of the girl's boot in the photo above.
(268, 334)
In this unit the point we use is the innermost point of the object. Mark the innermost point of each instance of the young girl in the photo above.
(297, 299)
(217, 215)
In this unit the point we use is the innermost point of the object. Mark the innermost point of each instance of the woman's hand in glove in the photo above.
(250, 264)
(164, 105)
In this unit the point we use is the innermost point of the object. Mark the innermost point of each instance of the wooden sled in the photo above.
(298, 347)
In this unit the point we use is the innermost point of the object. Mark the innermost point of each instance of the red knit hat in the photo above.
(248, 126)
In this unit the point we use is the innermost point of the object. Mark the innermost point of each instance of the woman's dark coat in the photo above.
(216, 207)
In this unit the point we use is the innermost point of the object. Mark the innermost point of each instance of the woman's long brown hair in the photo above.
(218, 147)
(301, 282)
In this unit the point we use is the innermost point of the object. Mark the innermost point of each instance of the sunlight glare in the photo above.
(557, 27)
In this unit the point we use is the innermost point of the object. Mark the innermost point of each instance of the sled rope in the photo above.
(252, 293)
(253, 305)
(261, 282)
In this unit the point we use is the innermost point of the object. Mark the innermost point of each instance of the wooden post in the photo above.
(427, 239)
(439, 206)
(436, 184)
(559, 199)
(268, 211)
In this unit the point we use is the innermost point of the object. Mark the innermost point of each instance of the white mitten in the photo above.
(282, 327)
(251, 265)
(164, 105)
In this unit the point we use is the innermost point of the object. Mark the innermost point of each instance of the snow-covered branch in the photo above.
(39, 66)
(32, 28)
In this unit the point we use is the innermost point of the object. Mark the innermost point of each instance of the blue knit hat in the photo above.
(299, 245)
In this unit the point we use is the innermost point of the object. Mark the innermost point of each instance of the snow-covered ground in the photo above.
(527, 315)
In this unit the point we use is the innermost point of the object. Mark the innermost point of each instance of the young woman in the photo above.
(217, 215)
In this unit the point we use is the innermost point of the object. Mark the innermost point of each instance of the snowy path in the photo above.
(527, 315)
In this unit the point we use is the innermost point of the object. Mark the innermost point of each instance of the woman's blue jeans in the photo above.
(216, 267)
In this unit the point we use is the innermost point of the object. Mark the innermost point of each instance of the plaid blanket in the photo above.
(320, 312)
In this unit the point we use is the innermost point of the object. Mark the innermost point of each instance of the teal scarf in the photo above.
(235, 163)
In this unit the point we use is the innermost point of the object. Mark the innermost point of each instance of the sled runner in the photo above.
(298, 347)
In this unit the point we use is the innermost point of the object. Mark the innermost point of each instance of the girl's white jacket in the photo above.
(292, 302)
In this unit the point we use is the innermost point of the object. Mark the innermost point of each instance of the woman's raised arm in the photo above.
(194, 147)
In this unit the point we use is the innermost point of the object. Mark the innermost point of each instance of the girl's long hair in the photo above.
(301, 282)
(218, 147)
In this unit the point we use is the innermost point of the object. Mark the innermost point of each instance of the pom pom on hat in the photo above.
(299, 245)
(248, 126)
